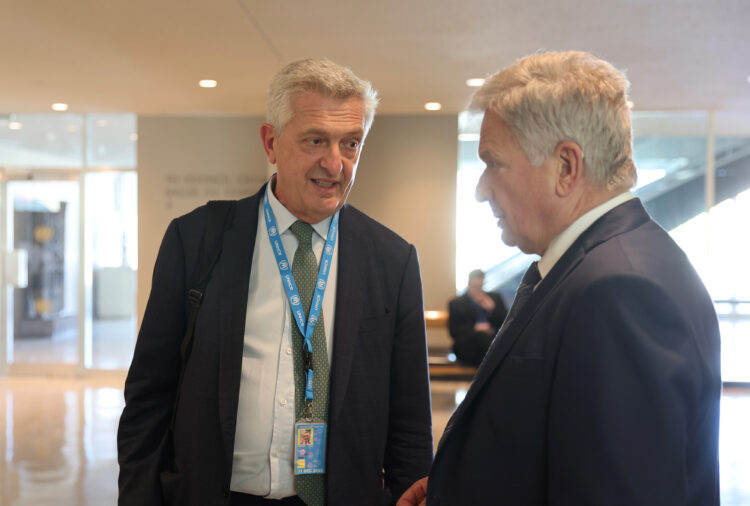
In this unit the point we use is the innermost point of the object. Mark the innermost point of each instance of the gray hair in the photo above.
(316, 75)
(554, 97)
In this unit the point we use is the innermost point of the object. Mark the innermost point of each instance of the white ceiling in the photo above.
(146, 56)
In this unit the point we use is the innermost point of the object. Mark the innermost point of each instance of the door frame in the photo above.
(83, 319)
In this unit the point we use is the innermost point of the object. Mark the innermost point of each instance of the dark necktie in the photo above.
(311, 488)
(525, 289)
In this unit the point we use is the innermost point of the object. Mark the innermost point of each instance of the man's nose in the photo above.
(482, 193)
(332, 161)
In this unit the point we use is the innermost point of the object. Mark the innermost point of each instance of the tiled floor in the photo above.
(112, 346)
(57, 440)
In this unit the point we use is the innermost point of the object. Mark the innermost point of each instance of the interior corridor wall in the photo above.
(406, 180)
(183, 162)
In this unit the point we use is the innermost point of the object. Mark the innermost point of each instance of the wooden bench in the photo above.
(442, 361)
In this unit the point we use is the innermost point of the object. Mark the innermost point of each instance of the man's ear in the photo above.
(268, 137)
(570, 173)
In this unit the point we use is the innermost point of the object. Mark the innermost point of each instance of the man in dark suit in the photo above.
(474, 318)
(245, 385)
(603, 386)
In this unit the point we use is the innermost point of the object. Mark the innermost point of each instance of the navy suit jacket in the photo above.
(603, 391)
(380, 437)
(462, 316)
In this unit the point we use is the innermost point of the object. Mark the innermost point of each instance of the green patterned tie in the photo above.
(311, 488)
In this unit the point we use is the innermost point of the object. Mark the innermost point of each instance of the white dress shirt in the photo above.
(263, 447)
(567, 237)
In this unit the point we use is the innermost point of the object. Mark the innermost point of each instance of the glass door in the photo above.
(68, 242)
(42, 239)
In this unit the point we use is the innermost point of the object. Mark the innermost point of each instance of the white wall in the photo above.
(182, 163)
(406, 180)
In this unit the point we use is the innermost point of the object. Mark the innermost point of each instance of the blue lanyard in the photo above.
(291, 286)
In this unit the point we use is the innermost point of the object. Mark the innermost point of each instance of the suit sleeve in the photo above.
(409, 447)
(624, 398)
(461, 319)
(151, 381)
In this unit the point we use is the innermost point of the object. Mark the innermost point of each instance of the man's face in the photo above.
(475, 285)
(521, 196)
(316, 155)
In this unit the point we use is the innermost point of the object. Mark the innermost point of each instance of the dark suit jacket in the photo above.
(605, 388)
(462, 315)
(379, 422)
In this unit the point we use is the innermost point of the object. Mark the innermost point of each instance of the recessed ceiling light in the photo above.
(59, 107)
(748, 79)
(433, 106)
(207, 83)
(15, 125)
(70, 128)
(630, 104)
(475, 82)
(102, 123)
(134, 137)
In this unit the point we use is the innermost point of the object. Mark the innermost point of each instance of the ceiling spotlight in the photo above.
(748, 79)
(15, 125)
(475, 82)
(630, 104)
(207, 83)
(433, 106)
(134, 137)
(59, 107)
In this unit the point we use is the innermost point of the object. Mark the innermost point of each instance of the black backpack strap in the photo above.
(219, 215)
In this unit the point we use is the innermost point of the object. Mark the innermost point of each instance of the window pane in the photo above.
(728, 277)
(713, 240)
(111, 204)
(669, 151)
(41, 141)
(112, 140)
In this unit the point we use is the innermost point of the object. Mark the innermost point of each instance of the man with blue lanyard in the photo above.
(307, 382)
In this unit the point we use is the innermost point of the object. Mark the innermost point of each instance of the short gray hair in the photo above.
(316, 75)
(553, 97)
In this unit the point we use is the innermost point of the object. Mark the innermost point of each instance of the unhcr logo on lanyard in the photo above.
(290, 286)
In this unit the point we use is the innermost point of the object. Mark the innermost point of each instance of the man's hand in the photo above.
(482, 327)
(485, 301)
(416, 495)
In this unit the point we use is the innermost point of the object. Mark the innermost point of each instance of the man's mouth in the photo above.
(324, 184)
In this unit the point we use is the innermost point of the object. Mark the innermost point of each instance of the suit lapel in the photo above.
(351, 279)
(623, 218)
(233, 278)
(501, 346)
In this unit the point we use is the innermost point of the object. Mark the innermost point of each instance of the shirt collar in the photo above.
(285, 219)
(567, 237)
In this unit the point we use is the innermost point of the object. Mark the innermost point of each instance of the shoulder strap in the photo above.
(219, 214)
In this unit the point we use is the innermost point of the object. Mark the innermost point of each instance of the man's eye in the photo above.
(352, 144)
(316, 141)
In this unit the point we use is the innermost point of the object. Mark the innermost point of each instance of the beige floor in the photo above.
(57, 440)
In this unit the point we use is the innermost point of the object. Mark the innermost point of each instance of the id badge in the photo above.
(309, 448)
